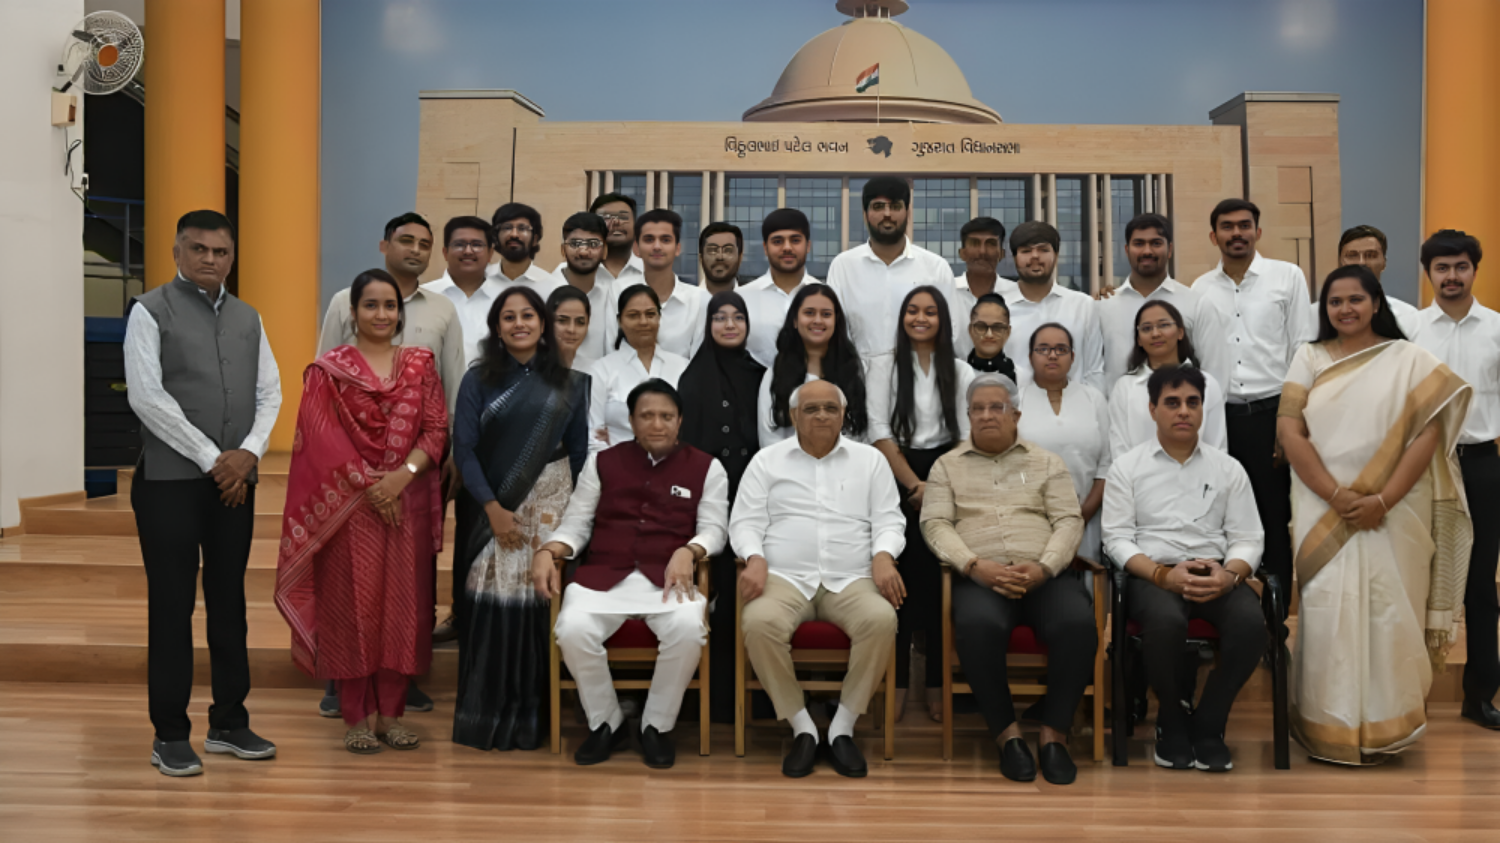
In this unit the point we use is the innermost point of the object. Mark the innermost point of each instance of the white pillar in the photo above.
(650, 190)
(1148, 196)
(1052, 199)
(664, 193)
(703, 203)
(844, 216)
(719, 196)
(609, 181)
(974, 197)
(1036, 196)
(1091, 231)
(1109, 230)
(781, 191)
(593, 186)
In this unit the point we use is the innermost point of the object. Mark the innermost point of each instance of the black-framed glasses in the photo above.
(881, 207)
(623, 216)
(1053, 350)
(575, 245)
(468, 245)
(724, 318)
(518, 230)
(980, 329)
(715, 251)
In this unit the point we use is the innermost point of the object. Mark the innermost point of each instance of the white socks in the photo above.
(802, 724)
(842, 725)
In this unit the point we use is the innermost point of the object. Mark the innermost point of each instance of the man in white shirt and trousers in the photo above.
(818, 521)
(205, 385)
(1180, 517)
(1465, 335)
(1039, 299)
(654, 508)
(1265, 303)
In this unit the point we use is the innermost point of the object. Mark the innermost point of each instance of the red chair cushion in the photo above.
(1023, 642)
(819, 635)
(1197, 628)
(633, 634)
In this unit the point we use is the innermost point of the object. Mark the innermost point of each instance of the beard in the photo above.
(583, 266)
(721, 273)
(887, 239)
(1024, 274)
(515, 251)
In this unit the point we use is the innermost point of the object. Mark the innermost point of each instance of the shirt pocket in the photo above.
(1205, 507)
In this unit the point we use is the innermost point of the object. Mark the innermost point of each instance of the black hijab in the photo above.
(720, 388)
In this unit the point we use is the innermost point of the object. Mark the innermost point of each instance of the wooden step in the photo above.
(109, 568)
(104, 641)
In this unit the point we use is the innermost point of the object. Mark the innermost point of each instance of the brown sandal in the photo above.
(400, 737)
(361, 741)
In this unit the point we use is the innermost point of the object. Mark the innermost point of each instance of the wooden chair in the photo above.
(1127, 672)
(633, 645)
(815, 645)
(1025, 651)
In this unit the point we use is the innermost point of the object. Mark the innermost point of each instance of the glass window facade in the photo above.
(687, 200)
(1071, 269)
(634, 186)
(1006, 200)
(940, 207)
(746, 203)
(821, 200)
(1125, 203)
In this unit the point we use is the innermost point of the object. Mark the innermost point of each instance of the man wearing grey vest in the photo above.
(202, 379)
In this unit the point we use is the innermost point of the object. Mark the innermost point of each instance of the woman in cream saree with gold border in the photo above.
(1369, 424)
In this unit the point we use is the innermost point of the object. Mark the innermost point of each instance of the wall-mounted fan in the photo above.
(102, 53)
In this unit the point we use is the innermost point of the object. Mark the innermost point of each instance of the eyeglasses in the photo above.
(724, 319)
(468, 246)
(980, 329)
(575, 245)
(1053, 350)
(990, 409)
(882, 207)
(623, 216)
(518, 230)
(715, 251)
(1146, 328)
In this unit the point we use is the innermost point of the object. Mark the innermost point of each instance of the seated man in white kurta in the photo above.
(654, 508)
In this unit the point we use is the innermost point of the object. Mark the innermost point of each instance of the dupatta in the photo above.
(352, 429)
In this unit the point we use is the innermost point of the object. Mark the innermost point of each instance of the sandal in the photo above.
(361, 741)
(400, 737)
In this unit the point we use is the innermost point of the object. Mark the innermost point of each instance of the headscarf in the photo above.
(717, 375)
(999, 364)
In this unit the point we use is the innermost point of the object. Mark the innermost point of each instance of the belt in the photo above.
(1478, 449)
(1251, 408)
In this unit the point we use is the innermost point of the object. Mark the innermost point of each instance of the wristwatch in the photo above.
(412, 467)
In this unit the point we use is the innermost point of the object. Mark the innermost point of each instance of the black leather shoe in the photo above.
(601, 742)
(800, 758)
(1016, 762)
(416, 699)
(846, 758)
(1057, 765)
(1482, 712)
(657, 749)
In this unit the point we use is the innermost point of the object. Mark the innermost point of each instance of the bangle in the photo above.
(1159, 574)
(1336, 489)
(1382, 502)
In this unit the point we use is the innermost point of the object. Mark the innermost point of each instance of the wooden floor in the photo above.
(74, 767)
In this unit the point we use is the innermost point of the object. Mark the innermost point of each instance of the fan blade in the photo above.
(85, 37)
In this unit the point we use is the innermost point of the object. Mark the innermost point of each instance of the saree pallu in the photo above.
(357, 592)
(503, 668)
(1378, 607)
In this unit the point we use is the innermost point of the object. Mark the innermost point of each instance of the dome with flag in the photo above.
(872, 63)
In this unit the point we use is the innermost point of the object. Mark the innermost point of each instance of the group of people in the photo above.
(827, 448)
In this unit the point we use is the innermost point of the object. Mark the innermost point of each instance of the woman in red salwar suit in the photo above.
(364, 518)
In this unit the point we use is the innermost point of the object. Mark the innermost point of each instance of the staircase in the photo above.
(73, 594)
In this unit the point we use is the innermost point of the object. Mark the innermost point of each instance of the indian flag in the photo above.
(871, 76)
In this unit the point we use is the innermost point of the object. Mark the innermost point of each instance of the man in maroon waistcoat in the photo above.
(654, 508)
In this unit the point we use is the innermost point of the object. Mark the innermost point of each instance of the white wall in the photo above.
(41, 287)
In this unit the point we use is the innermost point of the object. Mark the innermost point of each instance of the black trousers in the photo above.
(1061, 613)
(467, 514)
(1252, 441)
(1481, 470)
(1164, 618)
(922, 574)
(724, 578)
(177, 520)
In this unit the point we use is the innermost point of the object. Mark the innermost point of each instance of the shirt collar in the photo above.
(967, 447)
(1477, 312)
(224, 291)
(906, 253)
(1257, 267)
(1156, 448)
(1169, 284)
(837, 447)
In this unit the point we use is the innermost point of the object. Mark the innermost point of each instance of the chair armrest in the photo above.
(1272, 600)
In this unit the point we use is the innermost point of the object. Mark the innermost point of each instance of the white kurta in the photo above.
(1130, 421)
(1080, 435)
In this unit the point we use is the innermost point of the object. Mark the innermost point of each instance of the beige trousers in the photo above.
(859, 610)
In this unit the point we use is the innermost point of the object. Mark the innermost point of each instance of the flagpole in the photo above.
(877, 102)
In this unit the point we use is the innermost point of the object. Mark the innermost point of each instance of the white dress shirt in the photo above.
(683, 316)
(1130, 421)
(963, 306)
(578, 520)
(1173, 512)
(1069, 308)
(818, 521)
(871, 292)
(767, 305)
(596, 344)
(473, 311)
(633, 273)
(931, 431)
(534, 278)
(1268, 320)
(1079, 434)
(163, 416)
(1471, 348)
(1206, 327)
(613, 377)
